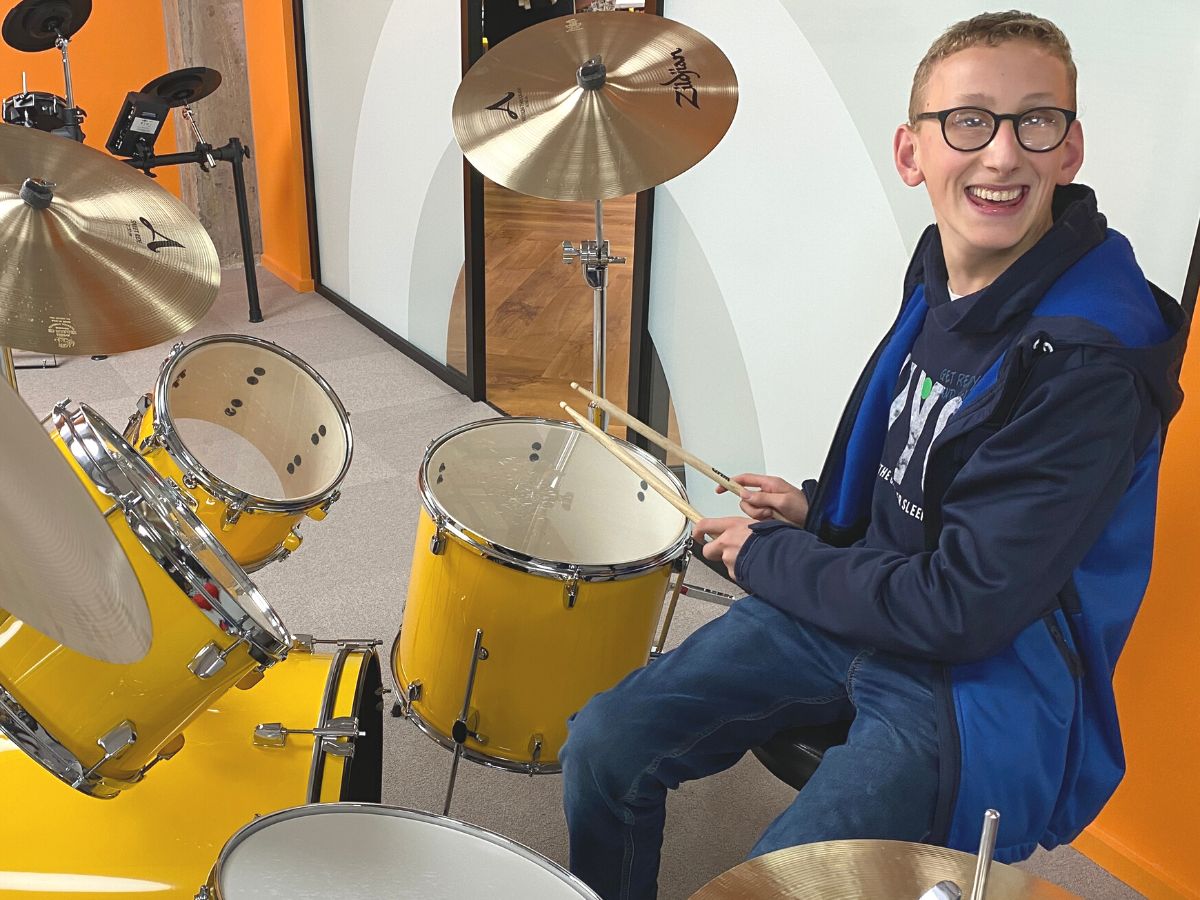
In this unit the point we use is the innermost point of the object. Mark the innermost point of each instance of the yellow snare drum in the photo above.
(100, 726)
(532, 533)
(161, 840)
(257, 438)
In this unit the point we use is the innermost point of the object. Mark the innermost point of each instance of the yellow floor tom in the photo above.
(535, 535)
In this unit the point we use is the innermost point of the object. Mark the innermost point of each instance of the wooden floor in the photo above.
(540, 311)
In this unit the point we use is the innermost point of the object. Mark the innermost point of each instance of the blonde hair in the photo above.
(991, 30)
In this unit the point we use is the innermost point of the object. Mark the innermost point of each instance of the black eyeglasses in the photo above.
(969, 128)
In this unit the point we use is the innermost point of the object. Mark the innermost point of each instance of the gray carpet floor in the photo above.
(350, 577)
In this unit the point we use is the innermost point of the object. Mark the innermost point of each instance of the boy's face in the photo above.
(987, 235)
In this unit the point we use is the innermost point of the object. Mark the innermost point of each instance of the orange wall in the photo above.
(277, 147)
(1147, 835)
(121, 47)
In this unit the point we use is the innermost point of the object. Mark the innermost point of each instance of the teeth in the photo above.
(998, 196)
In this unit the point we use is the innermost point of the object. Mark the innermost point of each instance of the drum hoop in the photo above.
(332, 681)
(154, 502)
(514, 559)
(218, 487)
(24, 730)
(296, 812)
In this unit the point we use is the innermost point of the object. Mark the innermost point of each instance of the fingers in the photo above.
(770, 483)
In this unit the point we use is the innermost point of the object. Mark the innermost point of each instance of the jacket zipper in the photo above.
(1069, 656)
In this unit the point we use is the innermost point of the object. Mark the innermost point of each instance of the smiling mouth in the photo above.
(992, 199)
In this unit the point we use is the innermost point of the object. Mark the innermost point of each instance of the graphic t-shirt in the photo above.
(943, 366)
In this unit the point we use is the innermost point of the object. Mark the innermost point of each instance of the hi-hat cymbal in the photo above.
(184, 85)
(62, 570)
(866, 870)
(34, 25)
(523, 118)
(112, 263)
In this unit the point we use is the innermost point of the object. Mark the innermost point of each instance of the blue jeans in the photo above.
(731, 686)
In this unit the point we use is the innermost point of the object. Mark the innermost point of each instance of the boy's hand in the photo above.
(728, 535)
(770, 494)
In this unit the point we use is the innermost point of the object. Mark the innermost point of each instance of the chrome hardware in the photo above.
(333, 498)
(571, 591)
(210, 659)
(275, 734)
(943, 890)
(204, 894)
(304, 643)
(208, 662)
(464, 726)
(190, 481)
(987, 848)
(414, 692)
(112, 743)
(535, 753)
(437, 543)
(124, 735)
(233, 512)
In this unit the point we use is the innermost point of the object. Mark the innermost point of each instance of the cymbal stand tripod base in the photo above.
(206, 156)
(593, 256)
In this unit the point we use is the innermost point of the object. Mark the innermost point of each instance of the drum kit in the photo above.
(131, 633)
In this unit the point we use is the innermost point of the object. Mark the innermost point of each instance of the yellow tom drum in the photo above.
(160, 840)
(255, 436)
(99, 726)
(536, 536)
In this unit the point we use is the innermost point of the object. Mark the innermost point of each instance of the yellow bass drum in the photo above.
(539, 574)
(161, 840)
(254, 434)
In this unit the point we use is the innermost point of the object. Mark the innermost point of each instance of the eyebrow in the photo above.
(985, 99)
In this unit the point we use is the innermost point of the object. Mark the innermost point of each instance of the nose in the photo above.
(1005, 153)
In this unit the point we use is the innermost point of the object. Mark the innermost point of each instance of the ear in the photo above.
(1072, 154)
(906, 157)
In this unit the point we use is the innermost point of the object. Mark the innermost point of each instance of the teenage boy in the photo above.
(963, 575)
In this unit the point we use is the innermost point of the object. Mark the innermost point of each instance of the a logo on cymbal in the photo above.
(501, 105)
(63, 331)
(161, 240)
(681, 80)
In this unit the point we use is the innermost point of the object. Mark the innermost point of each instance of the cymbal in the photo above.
(62, 570)
(184, 85)
(524, 119)
(113, 262)
(34, 25)
(865, 870)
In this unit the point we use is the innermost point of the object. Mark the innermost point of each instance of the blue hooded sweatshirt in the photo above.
(1039, 503)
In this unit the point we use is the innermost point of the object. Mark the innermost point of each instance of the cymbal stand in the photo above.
(206, 157)
(595, 260)
(72, 119)
(190, 116)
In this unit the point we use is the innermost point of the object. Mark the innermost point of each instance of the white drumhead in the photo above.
(550, 491)
(254, 416)
(332, 851)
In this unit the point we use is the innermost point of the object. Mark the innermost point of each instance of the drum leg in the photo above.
(460, 730)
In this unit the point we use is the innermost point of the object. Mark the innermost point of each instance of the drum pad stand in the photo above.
(206, 157)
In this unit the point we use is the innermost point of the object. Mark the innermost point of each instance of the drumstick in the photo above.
(666, 443)
(635, 465)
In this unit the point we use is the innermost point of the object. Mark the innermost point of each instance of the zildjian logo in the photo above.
(501, 105)
(163, 240)
(681, 79)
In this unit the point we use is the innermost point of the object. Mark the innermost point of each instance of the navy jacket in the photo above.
(1039, 517)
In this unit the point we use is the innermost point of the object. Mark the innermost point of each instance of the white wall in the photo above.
(778, 259)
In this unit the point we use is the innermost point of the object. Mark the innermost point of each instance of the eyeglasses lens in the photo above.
(1037, 130)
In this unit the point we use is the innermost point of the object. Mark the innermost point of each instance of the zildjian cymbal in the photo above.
(35, 25)
(866, 870)
(62, 570)
(594, 106)
(95, 258)
(184, 86)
